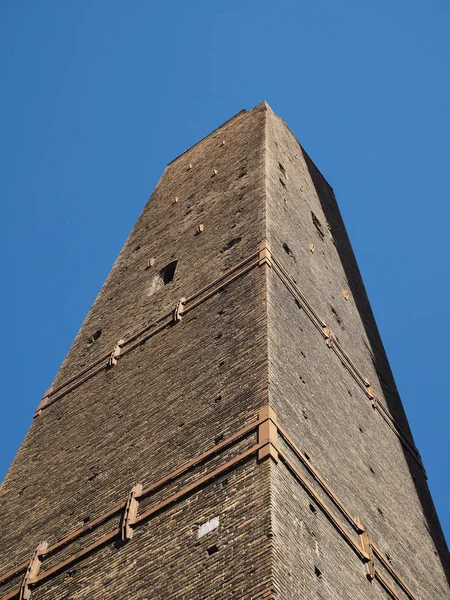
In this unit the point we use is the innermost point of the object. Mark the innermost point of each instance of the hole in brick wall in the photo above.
(318, 226)
(307, 456)
(372, 471)
(71, 573)
(181, 424)
(282, 169)
(305, 416)
(282, 182)
(212, 549)
(164, 277)
(94, 337)
(92, 477)
(218, 336)
(242, 172)
(222, 362)
(288, 250)
(224, 483)
(380, 512)
(312, 508)
(217, 399)
(218, 439)
(336, 315)
(389, 557)
(86, 520)
(317, 572)
(361, 429)
(230, 244)
(303, 354)
(349, 393)
(302, 380)
(22, 491)
(167, 273)
(220, 313)
(137, 248)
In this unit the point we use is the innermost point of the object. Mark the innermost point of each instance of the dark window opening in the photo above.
(312, 508)
(282, 169)
(94, 337)
(318, 572)
(167, 273)
(282, 182)
(212, 549)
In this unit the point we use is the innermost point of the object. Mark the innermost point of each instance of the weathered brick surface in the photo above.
(199, 381)
(326, 413)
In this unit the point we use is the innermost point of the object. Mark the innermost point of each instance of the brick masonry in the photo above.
(197, 382)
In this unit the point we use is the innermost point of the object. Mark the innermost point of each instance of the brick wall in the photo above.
(328, 415)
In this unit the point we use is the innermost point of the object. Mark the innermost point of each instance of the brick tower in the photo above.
(225, 424)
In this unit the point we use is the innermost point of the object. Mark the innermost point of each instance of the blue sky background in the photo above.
(96, 97)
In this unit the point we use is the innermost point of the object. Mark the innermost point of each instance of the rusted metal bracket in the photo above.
(32, 571)
(265, 255)
(115, 353)
(268, 434)
(366, 544)
(178, 312)
(130, 513)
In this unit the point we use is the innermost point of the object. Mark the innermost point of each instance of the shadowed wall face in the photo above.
(196, 330)
(330, 417)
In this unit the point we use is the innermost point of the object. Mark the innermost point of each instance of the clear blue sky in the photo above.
(96, 97)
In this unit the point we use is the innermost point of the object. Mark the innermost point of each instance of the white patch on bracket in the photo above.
(208, 527)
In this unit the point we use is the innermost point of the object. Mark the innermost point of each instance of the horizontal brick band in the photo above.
(263, 256)
(268, 431)
(145, 333)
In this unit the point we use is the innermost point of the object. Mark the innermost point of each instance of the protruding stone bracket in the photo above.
(366, 544)
(328, 334)
(178, 312)
(32, 571)
(130, 513)
(265, 255)
(369, 389)
(115, 353)
(268, 434)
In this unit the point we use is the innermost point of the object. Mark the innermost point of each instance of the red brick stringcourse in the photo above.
(185, 305)
(267, 446)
